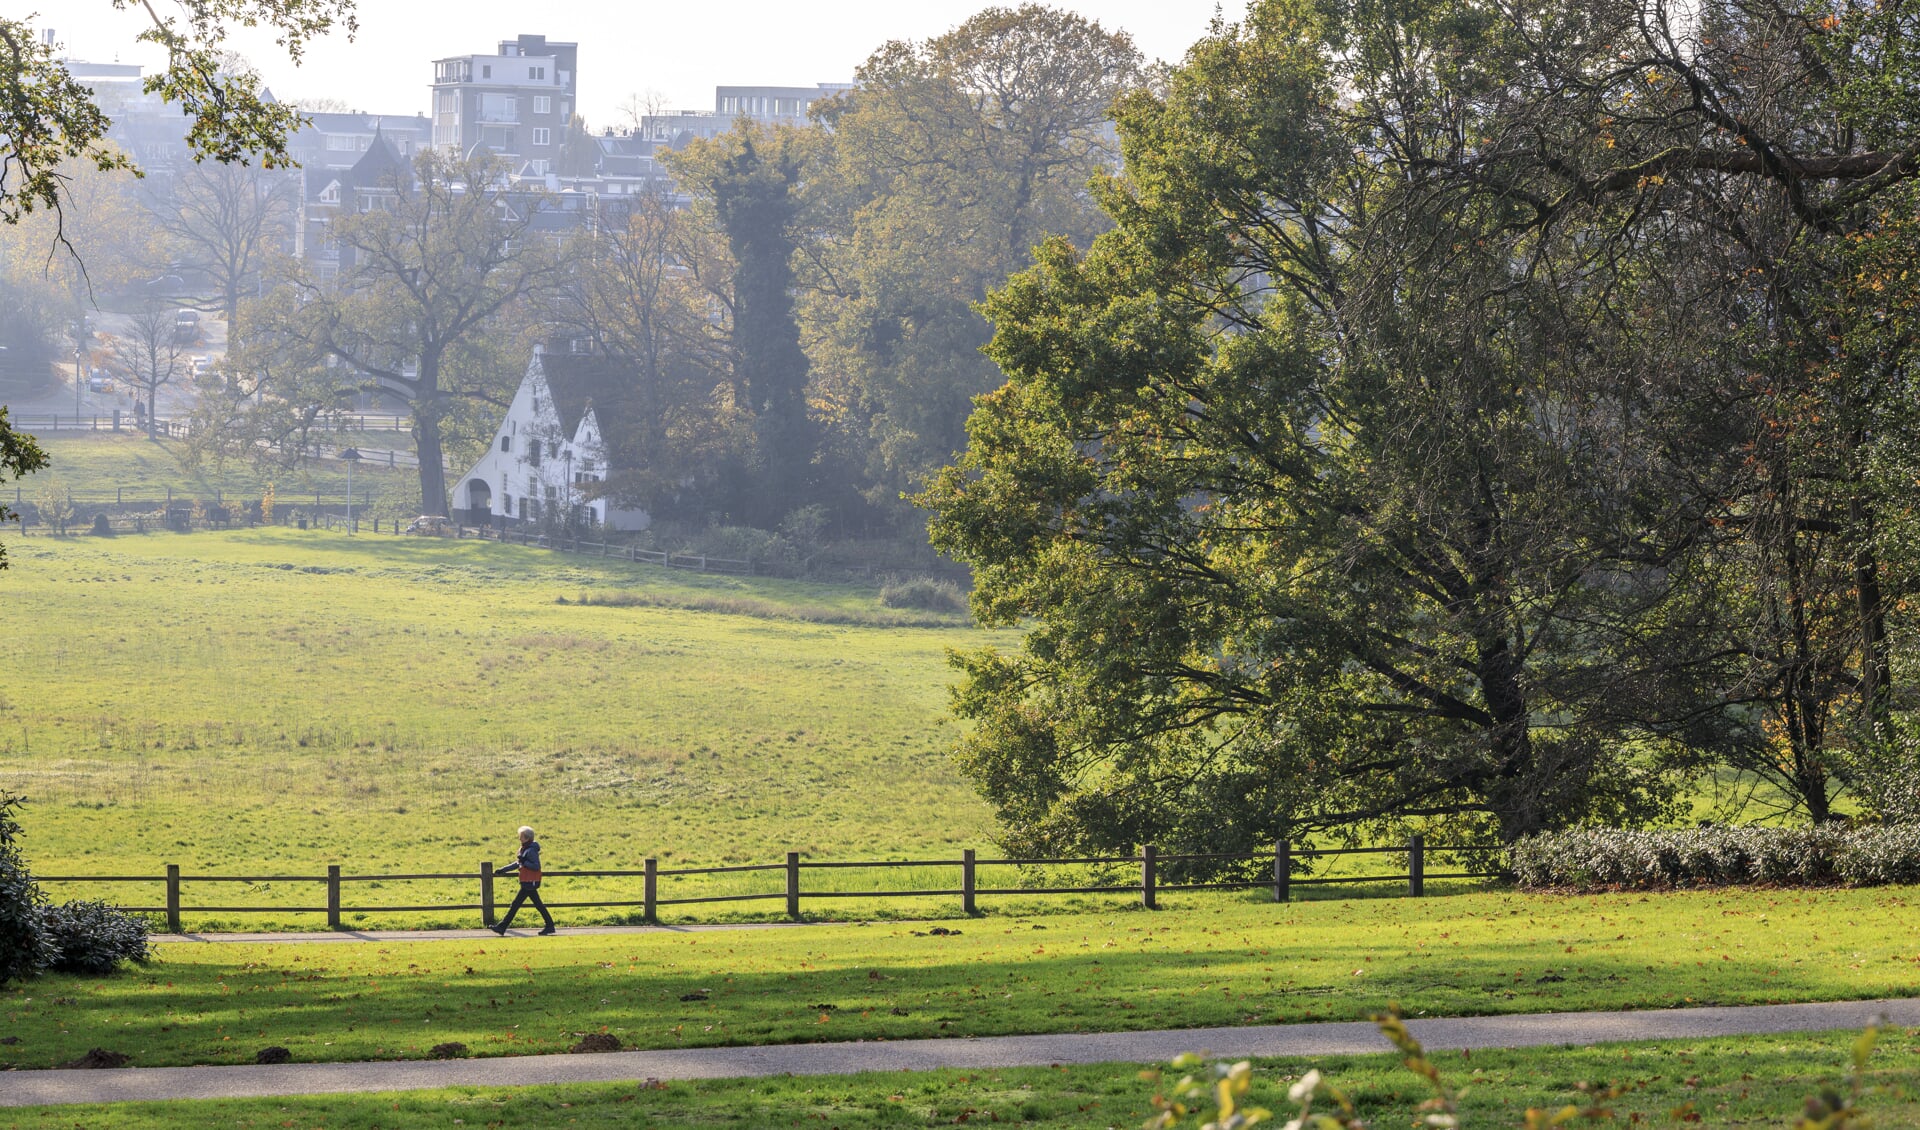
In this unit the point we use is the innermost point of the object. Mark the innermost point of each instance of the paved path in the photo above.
(24, 1088)
(477, 933)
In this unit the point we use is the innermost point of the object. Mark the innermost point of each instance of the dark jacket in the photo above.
(527, 864)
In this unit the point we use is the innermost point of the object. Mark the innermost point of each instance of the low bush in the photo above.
(25, 948)
(1717, 855)
(926, 593)
(91, 937)
(75, 937)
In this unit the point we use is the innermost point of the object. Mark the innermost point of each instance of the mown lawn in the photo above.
(272, 701)
(1738, 1081)
(1206, 961)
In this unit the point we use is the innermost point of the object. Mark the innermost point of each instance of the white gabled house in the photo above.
(550, 454)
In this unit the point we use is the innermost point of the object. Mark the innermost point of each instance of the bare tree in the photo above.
(640, 107)
(319, 104)
(223, 222)
(147, 356)
(426, 276)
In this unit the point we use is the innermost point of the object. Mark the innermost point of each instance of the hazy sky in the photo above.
(680, 49)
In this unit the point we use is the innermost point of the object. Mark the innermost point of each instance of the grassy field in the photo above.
(1208, 961)
(1740, 1081)
(94, 465)
(282, 700)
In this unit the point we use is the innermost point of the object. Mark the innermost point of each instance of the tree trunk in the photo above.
(433, 471)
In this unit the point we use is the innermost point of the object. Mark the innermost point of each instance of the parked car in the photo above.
(200, 366)
(186, 325)
(98, 383)
(431, 526)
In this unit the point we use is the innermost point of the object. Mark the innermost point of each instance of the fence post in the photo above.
(173, 898)
(793, 885)
(486, 893)
(966, 882)
(1282, 871)
(1148, 880)
(651, 891)
(333, 896)
(1416, 865)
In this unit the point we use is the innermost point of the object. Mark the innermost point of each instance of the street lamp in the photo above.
(350, 456)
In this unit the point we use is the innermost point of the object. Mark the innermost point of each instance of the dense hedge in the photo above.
(1715, 855)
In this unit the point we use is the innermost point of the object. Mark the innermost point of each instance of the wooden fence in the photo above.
(1148, 888)
(119, 421)
(698, 562)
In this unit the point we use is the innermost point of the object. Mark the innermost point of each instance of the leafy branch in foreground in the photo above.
(1319, 1105)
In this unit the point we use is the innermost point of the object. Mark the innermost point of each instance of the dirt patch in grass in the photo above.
(97, 1058)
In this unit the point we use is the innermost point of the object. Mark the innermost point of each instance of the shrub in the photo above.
(1717, 855)
(25, 948)
(91, 937)
(924, 593)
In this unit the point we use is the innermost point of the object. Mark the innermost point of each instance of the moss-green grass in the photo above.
(1207, 961)
(272, 701)
(1734, 1081)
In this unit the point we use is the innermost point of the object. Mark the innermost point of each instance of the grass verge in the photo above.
(1734, 1081)
(1209, 961)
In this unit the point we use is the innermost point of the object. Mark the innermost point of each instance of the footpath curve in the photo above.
(30, 1088)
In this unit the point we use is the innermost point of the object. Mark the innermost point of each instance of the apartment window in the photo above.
(542, 104)
(537, 72)
(486, 72)
(342, 142)
(542, 136)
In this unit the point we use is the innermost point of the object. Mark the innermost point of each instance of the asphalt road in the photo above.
(26, 1088)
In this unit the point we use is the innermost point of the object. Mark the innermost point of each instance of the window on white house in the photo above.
(506, 443)
(536, 72)
(486, 71)
(533, 453)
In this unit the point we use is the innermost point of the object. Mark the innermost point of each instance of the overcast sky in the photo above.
(681, 50)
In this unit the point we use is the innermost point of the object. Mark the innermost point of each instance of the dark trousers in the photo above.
(529, 892)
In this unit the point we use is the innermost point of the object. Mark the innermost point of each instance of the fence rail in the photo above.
(126, 421)
(1148, 886)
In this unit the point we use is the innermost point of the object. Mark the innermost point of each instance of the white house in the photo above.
(549, 454)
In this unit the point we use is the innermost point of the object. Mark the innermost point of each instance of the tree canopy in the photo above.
(1422, 444)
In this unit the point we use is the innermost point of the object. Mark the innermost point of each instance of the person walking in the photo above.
(527, 866)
